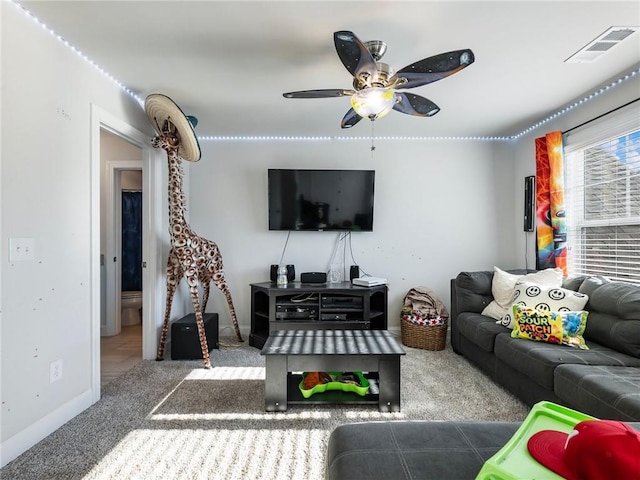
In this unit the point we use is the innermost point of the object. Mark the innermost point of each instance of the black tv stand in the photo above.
(306, 306)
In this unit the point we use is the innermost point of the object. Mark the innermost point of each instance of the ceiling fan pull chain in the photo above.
(373, 147)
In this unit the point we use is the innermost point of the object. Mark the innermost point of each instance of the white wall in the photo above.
(47, 93)
(440, 207)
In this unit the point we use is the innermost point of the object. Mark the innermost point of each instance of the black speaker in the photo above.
(185, 341)
(529, 202)
(354, 272)
(313, 277)
(291, 273)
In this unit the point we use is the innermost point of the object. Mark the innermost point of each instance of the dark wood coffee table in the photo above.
(376, 352)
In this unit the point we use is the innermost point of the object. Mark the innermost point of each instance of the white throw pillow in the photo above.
(549, 299)
(504, 283)
(502, 286)
(550, 277)
(493, 310)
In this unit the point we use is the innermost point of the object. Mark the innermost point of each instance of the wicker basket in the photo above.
(426, 337)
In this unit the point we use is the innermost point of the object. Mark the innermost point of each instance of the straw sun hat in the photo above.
(161, 108)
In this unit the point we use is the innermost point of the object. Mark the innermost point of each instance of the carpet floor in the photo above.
(176, 420)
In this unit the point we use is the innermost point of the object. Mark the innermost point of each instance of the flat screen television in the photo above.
(321, 200)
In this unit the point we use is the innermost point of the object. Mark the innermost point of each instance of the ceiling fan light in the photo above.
(374, 102)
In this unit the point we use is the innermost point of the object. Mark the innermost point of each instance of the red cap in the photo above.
(595, 449)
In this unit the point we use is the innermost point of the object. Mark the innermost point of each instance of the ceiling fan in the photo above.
(376, 86)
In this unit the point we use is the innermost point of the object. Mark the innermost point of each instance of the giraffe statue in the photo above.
(195, 258)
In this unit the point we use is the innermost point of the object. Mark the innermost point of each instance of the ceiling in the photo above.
(228, 62)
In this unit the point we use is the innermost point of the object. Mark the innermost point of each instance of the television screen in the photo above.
(319, 200)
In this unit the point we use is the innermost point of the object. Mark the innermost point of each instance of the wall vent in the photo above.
(602, 44)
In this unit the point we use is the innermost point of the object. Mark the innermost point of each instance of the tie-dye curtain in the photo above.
(551, 230)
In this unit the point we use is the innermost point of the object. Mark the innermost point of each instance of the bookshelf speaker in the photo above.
(529, 202)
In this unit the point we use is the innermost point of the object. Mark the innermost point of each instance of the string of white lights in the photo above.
(78, 52)
(287, 138)
(241, 138)
(578, 103)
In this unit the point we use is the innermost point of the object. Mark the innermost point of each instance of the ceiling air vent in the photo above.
(599, 46)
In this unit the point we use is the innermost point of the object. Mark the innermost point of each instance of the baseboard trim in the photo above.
(22, 441)
(395, 331)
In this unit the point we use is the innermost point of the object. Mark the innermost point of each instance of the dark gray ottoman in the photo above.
(414, 449)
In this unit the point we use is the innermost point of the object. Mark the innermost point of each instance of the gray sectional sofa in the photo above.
(603, 381)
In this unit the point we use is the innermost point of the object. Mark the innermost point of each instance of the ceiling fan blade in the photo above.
(350, 119)
(415, 105)
(326, 93)
(353, 54)
(434, 68)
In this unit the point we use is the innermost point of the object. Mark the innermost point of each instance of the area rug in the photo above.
(176, 420)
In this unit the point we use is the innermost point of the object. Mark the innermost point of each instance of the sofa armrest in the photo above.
(471, 292)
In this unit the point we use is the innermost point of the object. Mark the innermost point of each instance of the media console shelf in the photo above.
(305, 306)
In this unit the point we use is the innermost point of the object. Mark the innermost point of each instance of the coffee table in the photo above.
(376, 352)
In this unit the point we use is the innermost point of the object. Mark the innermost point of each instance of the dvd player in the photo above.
(286, 312)
(340, 302)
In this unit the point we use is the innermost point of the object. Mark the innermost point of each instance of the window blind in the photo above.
(602, 196)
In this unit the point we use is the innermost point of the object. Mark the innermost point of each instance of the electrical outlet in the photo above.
(55, 371)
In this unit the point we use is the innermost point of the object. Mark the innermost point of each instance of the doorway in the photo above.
(121, 248)
(106, 176)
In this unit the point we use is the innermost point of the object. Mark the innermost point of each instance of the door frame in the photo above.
(152, 236)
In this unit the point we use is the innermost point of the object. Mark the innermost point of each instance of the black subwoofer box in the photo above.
(185, 342)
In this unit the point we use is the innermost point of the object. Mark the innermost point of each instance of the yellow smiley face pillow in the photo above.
(537, 325)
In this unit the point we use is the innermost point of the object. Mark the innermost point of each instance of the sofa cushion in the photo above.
(504, 283)
(536, 325)
(538, 360)
(591, 283)
(604, 391)
(617, 298)
(479, 329)
(473, 290)
(573, 325)
(574, 282)
(413, 449)
(564, 327)
(541, 297)
(614, 317)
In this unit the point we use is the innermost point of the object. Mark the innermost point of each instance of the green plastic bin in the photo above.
(513, 461)
(345, 387)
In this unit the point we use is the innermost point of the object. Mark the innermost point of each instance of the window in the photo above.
(602, 197)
